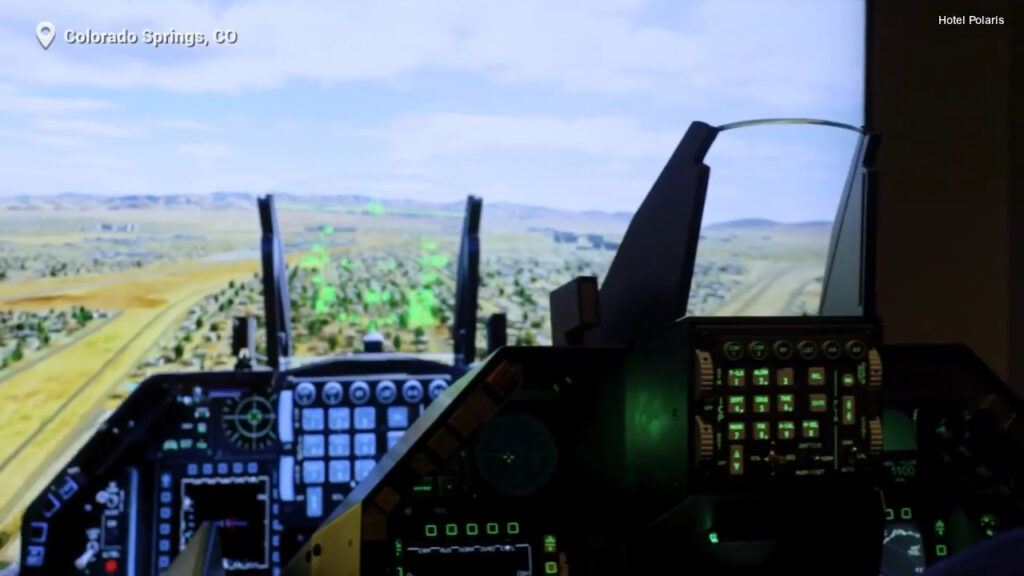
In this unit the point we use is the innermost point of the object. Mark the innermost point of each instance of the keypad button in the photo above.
(393, 438)
(786, 403)
(363, 469)
(762, 431)
(818, 403)
(312, 446)
(386, 392)
(736, 460)
(737, 378)
(305, 393)
(736, 405)
(807, 350)
(313, 472)
(332, 393)
(366, 418)
(737, 431)
(398, 417)
(811, 429)
(848, 410)
(855, 348)
(436, 388)
(816, 376)
(784, 377)
(787, 430)
(359, 392)
(412, 391)
(339, 445)
(848, 380)
(314, 502)
(761, 376)
(733, 351)
(339, 418)
(762, 404)
(365, 444)
(783, 350)
(831, 349)
(339, 471)
(313, 419)
(758, 350)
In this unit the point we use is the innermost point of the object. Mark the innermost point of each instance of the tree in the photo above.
(199, 322)
(333, 341)
(231, 284)
(419, 332)
(397, 342)
(179, 350)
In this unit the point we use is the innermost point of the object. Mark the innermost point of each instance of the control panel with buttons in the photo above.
(785, 401)
(341, 426)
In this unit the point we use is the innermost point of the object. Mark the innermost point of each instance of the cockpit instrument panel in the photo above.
(260, 456)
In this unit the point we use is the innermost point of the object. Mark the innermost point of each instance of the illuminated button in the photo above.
(363, 469)
(222, 468)
(359, 392)
(312, 446)
(849, 410)
(783, 350)
(816, 376)
(550, 544)
(831, 349)
(313, 419)
(207, 469)
(889, 514)
(339, 445)
(737, 431)
(192, 469)
(165, 529)
(551, 567)
(848, 380)
(762, 376)
(286, 478)
(339, 471)
(733, 350)
(332, 393)
(736, 460)
(314, 502)
(430, 530)
(818, 402)
(512, 527)
(941, 550)
(472, 529)
(386, 392)
(787, 430)
(784, 377)
(365, 444)
(492, 528)
(393, 438)
(436, 388)
(238, 467)
(807, 350)
(305, 394)
(313, 472)
(737, 377)
(762, 431)
(163, 562)
(758, 350)
(366, 418)
(339, 418)
(855, 348)
(285, 425)
(811, 429)
(164, 545)
(451, 529)
(737, 405)
(786, 403)
(906, 513)
(412, 391)
(398, 417)
(762, 404)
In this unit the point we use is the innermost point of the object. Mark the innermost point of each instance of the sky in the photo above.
(562, 103)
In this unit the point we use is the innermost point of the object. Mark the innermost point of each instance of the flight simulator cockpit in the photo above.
(643, 441)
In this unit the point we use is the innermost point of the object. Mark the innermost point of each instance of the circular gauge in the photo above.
(516, 454)
(249, 421)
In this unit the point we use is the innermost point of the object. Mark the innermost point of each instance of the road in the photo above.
(773, 291)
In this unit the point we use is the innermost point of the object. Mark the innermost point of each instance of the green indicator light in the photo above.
(906, 513)
(940, 528)
(713, 537)
(941, 550)
(431, 530)
(398, 547)
(889, 514)
(472, 529)
(550, 544)
(735, 426)
(492, 528)
(513, 527)
(551, 567)
(451, 529)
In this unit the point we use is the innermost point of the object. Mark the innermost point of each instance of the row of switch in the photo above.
(208, 468)
(783, 350)
(343, 445)
(785, 430)
(359, 392)
(784, 377)
(363, 418)
(786, 403)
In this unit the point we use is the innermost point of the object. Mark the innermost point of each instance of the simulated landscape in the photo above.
(98, 293)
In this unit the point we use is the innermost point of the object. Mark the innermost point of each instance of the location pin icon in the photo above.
(45, 33)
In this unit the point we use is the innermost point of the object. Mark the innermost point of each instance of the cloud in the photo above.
(206, 151)
(791, 52)
(14, 101)
(85, 128)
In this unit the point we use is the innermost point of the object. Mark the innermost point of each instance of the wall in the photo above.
(940, 97)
